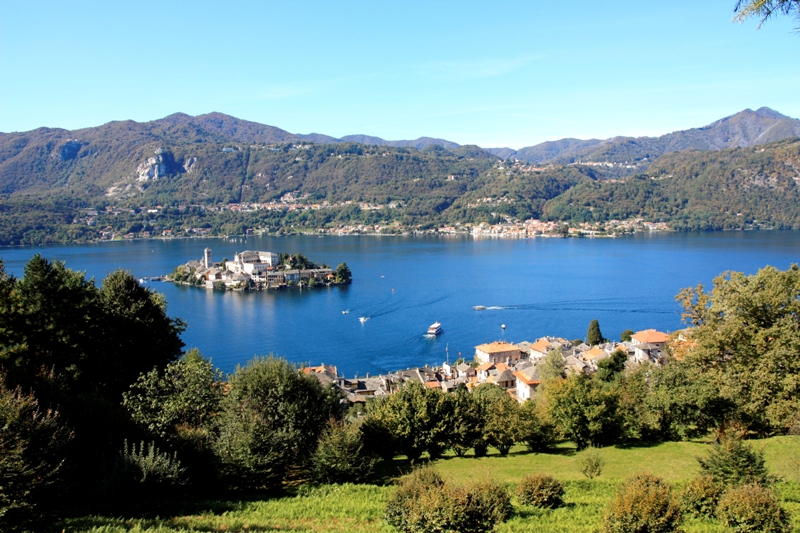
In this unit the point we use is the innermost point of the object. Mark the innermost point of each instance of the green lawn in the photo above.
(358, 508)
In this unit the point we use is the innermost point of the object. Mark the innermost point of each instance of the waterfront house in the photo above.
(497, 352)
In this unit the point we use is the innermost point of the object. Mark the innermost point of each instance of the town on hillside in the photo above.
(257, 270)
(514, 367)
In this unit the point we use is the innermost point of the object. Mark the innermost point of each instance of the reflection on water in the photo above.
(534, 287)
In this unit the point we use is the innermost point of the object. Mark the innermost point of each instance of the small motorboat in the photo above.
(345, 311)
(434, 329)
(479, 307)
(363, 319)
(502, 326)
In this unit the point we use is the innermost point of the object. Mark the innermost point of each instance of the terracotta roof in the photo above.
(501, 367)
(541, 345)
(594, 353)
(485, 366)
(650, 336)
(433, 385)
(525, 379)
(497, 347)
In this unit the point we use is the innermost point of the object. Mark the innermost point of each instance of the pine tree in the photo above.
(593, 336)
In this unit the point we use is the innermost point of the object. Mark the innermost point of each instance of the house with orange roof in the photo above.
(539, 349)
(497, 352)
(648, 345)
(528, 381)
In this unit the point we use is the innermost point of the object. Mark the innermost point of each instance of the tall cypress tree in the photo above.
(593, 336)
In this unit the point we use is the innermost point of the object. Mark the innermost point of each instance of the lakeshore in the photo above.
(536, 287)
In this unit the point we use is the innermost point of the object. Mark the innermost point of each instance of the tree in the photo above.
(467, 421)
(745, 343)
(271, 417)
(626, 335)
(32, 448)
(340, 456)
(552, 365)
(765, 9)
(411, 421)
(583, 410)
(593, 336)
(609, 368)
(343, 274)
(186, 395)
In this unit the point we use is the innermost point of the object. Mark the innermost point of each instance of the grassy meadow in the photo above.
(359, 508)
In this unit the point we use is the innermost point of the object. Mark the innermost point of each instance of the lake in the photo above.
(535, 287)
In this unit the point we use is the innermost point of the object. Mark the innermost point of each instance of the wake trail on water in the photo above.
(615, 305)
(393, 309)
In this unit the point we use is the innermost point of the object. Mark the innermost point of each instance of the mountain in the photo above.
(733, 188)
(744, 129)
(418, 144)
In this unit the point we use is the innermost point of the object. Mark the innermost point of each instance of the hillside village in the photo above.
(514, 367)
(258, 270)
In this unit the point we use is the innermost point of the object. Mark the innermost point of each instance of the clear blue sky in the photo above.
(487, 73)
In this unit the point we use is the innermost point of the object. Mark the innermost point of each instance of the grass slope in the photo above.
(359, 508)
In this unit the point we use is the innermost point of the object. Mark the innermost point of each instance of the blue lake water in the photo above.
(535, 287)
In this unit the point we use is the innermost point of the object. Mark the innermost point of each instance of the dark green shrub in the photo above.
(32, 447)
(270, 418)
(700, 496)
(644, 504)
(480, 448)
(541, 490)
(340, 456)
(732, 462)
(425, 503)
(144, 469)
(752, 508)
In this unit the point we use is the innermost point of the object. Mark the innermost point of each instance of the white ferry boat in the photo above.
(435, 329)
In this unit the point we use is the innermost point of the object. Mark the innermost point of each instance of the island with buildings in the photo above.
(258, 270)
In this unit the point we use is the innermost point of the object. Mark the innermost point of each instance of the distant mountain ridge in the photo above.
(742, 130)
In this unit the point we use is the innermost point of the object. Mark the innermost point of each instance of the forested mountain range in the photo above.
(744, 129)
(689, 179)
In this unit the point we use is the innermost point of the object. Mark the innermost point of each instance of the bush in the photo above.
(144, 469)
(591, 463)
(340, 456)
(541, 491)
(752, 508)
(732, 462)
(425, 503)
(700, 497)
(270, 419)
(32, 448)
(644, 504)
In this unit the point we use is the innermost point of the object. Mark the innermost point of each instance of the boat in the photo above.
(363, 319)
(479, 307)
(435, 329)
(345, 311)
(503, 326)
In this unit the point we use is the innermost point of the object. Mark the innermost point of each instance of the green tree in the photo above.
(626, 335)
(745, 336)
(412, 420)
(343, 274)
(186, 395)
(271, 417)
(593, 336)
(340, 455)
(764, 9)
(583, 410)
(466, 423)
(612, 366)
(32, 450)
(552, 366)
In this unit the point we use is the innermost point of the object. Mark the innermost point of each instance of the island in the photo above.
(257, 270)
